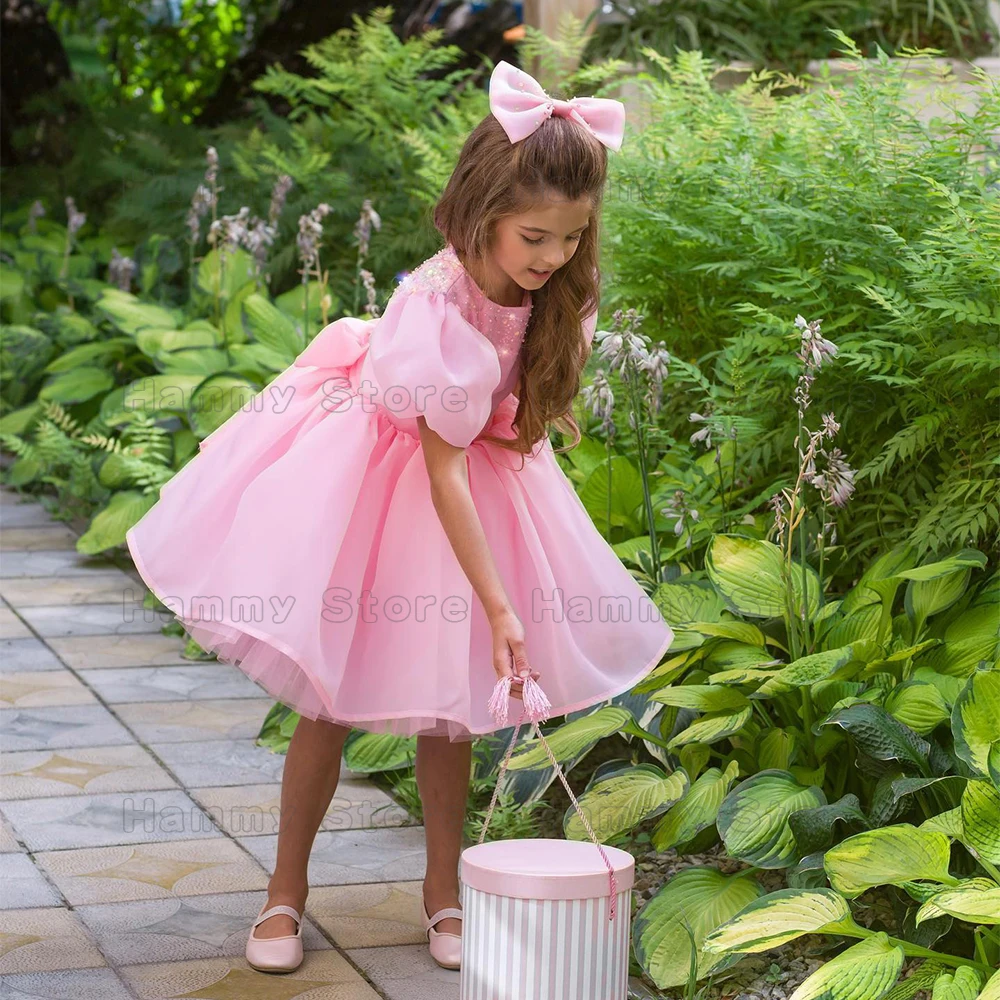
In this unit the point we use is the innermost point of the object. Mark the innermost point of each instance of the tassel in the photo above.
(497, 704)
(536, 704)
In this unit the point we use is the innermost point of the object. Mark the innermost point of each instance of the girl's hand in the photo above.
(509, 657)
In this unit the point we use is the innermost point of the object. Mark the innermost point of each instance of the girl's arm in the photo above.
(448, 473)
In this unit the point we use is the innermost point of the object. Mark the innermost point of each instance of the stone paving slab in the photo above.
(27, 654)
(31, 774)
(138, 817)
(158, 870)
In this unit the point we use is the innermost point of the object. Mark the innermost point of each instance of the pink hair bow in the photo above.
(520, 105)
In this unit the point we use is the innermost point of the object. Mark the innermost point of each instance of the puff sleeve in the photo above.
(429, 361)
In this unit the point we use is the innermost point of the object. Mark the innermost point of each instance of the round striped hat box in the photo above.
(537, 921)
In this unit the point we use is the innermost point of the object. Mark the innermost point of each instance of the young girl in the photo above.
(384, 531)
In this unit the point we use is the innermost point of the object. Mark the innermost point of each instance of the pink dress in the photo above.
(302, 545)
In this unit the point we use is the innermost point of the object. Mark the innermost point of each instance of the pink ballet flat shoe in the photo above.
(446, 949)
(277, 954)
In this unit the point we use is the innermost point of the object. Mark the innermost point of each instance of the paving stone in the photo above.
(8, 842)
(12, 627)
(31, 774)
(60, 620)
(250, 810)
(323, 975)
(97, 587)
(54, 728)
(347, 857)
(23, 515)
(48, 537)
(210, 719)
(220, 762)
(175, 683)
(102, 820)
(178, 929)
(57, 562)
(17, 655)
(41, 689)
(369, 915)
(407, 973)
(152, 871)
(23, 884)
(72, 984)
(43, 940)
(98, 652)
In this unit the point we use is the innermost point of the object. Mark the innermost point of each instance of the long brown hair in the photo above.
(495, 178)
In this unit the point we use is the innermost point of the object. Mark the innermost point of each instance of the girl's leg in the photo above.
(309, 780)
(443, 771)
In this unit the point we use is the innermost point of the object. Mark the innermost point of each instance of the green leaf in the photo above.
(699, 898)
(813, 828)
(712, 728)
(753, 819)
(217, 399)
(807, 670)
(109, 526)
(962, 984)
(682, 603)
(696, 811)
(919, 706)
(948, 822)
(778, 750)
(890, 855)
(223, 275)
(780, 917)
(623, 800)
(863, 972)
(368, 753)
(130, 314)
(571, 739)
(271, 327)
(991, 991)
(981, 820)
(77, 386)
(701, 697)
(747, 572)
(975, 720)
(976, 900)
(882, 737)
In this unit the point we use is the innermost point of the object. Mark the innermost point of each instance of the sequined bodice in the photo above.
(503, 326)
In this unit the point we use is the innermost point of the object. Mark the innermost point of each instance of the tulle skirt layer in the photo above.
(302, 545)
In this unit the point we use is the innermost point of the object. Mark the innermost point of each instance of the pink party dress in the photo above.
(301, 542)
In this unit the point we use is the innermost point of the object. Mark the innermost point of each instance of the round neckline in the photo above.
(526, 300)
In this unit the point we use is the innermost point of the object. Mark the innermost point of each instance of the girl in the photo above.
(383, 535)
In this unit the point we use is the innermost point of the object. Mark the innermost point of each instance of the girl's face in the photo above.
(530, 246)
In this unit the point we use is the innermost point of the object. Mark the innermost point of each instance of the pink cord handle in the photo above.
(535, 705)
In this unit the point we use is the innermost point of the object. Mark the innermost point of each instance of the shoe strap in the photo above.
(448, 911)
(278, 908)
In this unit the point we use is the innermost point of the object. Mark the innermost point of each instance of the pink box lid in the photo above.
(545, 868)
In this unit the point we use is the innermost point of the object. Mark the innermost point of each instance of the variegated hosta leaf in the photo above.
(624, 800)
(701, 697)
(572, 739)
(950, 687)
(688, 602)
(701, 899)
(860, 624)
(740, 631)
(753, 820)
(962, 984)
(696, 811)
(981, 820)
(748, 573)
(863, 972)
(949, 823)
(742, 675)
(976, 900)
(937, 586)
(991, 991)
(712, 728)
(727, 654)
(919, 706)
(779, 917)
(778, 749)
(975, 720)
(890, 855)
(807, 670)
